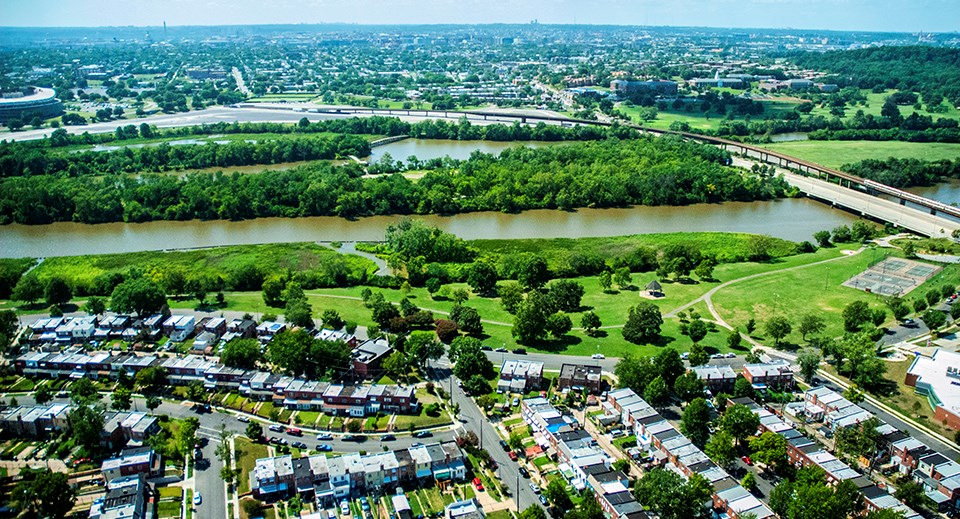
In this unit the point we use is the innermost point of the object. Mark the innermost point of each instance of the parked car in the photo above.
(486, 348)
(417, 444)
(276, 428)
(747, 460)
(422, 434)
(513, 456)
(324, 447)
(543, 500)
(331, 514)
(516, 402)
(344, 508)
(598, 356)
(524, 472)
(295, 432)
(500, 350)
(388, 438)
(298, 445)
(351, 438)
(731, 355)
(535, 488)
(324, 437)
(243, 419)
(685, 355)
(478, 484)
(520, 351)
(197, 499)
(504, 445)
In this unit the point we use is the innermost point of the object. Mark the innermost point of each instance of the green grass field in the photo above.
(250, 452)
(835, 154)
(81, 271)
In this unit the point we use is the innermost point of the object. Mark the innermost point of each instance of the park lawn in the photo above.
(249, 453)
(500, 514)
(835, 154)
(816, 289)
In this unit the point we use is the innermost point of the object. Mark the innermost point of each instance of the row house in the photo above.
(940, 478)
(329, 480)
(219, 376)
(718, 379)
(259, 385)
(667, 445)
(367, 358)
(580, 377)
(122, 428)
(802, 451)
(304, 394)
(143, 460)
(240, 329)
(520, 376)
(184, 370)
(179, 327)
(35, 421)
(612, 490)
(906, 453)
(267, 330)
(125, 497)
(776, 373)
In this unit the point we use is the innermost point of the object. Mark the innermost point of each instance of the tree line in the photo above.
(609, 173)
(896, 172)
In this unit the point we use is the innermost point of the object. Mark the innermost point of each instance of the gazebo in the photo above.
(654, 289)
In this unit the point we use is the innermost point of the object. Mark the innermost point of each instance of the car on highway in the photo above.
(197, 499)
(524, 472)
(478, 484)
(324, 447)
(276, 428)
(422, 434)
(298, 445)
(324, 437)
(388, 438)
(535, 488)
(243, 419)
(598, 356)
(543, 500)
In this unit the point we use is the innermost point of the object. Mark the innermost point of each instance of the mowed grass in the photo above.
(250, 452)
(817, 289)
(835, 154)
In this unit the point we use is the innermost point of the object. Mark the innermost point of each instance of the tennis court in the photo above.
(892, 277)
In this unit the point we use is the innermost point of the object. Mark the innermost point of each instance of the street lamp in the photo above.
(518, 492)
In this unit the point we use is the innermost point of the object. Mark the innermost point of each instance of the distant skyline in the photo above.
(845, 15)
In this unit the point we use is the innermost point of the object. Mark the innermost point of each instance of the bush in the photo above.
(432, 410)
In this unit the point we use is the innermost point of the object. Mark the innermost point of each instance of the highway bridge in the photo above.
(896, 206)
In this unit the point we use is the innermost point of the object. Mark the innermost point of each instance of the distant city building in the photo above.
(658, 86)
(29, 103)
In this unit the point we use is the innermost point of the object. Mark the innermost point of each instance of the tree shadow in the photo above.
(662, 340)
(69, 307)
(631, 288)
(599, 334)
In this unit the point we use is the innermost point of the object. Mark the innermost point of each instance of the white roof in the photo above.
(933, 371)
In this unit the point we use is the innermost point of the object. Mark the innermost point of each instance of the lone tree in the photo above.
(643, 323)
(778, 327)
(140, 296)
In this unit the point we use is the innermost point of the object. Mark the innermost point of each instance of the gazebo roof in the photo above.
(653, 286)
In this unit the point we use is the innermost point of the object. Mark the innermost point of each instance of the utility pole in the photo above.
(518, 492)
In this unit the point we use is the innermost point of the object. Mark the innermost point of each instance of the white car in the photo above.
(197, 498)
(598, 356)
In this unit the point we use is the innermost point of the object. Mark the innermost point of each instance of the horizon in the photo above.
(928, 16)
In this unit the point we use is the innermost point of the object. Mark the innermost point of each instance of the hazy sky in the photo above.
(865, 15)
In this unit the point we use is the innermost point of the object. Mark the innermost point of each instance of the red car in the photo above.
(478, 484)
(747, 460)
(513, 455)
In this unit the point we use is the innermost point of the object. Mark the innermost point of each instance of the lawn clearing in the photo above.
(250, 452)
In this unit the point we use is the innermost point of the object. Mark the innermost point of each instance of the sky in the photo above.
(852, 15)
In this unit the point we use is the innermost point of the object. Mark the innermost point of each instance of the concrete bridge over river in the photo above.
(856, 194)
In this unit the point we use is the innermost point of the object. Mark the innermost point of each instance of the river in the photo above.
(792, 219)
